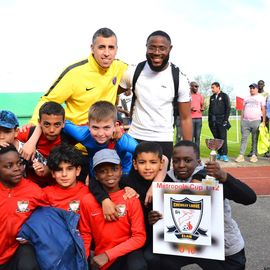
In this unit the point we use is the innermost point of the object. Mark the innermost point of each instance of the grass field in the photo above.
(233, 145)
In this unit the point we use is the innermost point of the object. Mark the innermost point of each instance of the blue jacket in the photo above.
(54, 235)
(124, 147)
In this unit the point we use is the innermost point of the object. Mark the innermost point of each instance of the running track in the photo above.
(257, 178)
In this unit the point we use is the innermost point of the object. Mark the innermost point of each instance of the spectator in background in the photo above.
(197, 107)
(218, 118)
(253, 111)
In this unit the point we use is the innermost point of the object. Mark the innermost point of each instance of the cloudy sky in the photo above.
(225, 38)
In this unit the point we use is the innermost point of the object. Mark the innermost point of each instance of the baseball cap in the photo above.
(254, 85)
(8, 119)
(106, 155)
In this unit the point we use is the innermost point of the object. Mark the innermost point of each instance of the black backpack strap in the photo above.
(31, 131)
(136, 75)
(175, 75)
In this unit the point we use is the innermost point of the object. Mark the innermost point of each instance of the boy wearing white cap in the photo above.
(118, 243)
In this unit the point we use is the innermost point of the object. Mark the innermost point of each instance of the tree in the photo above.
(205, 82)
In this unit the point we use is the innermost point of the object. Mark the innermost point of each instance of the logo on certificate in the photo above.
(187, 222)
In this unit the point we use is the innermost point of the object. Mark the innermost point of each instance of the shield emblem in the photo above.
(23, 206)
(121, 210)
(187, 215)
(74, 206)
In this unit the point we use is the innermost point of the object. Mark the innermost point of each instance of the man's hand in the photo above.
(130, 193)
(213, 169)
(99, 260)
(109, 209)
(154, 216)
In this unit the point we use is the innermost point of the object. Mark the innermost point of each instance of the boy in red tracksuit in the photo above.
(117, 243)
(51, 122)
(19, 197)
(65, 162)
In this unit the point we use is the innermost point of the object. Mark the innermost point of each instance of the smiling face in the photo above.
(51, 125)
(148, 165)
(11, 169)
(104, 50)
(109, 174)
(158, 52)
(102, 131)
(184, 162)
(66, 174)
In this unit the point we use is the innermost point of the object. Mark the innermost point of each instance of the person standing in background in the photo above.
(253, 112)
(197, 107)
(218, 118)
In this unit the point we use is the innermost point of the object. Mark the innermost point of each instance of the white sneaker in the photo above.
(240, 158)
(253, 158)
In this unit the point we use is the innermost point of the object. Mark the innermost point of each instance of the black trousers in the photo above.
(131, 261)
(23, 259)
(233, 262)
(219, 132)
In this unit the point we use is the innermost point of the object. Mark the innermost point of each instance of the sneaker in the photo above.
(240, 158)
(253, 158)
(267, 155)
(250, 154)
(218, 156)
(224, 158)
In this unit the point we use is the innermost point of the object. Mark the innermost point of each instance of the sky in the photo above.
(224, 38)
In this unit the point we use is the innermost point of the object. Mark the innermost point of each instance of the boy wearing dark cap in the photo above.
(118, 243)
(8, 128)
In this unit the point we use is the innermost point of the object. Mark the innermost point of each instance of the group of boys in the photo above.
(113, 221)
(130, 246)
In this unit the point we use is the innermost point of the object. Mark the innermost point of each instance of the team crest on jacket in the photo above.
(114, 80)
(23, 206)
(74, 206)
(187, 216)
(121, 210)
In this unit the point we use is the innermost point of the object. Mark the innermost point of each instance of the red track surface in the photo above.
(257, 178)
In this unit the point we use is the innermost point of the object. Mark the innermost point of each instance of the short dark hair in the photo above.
(64, 153)
(8, 148)
(159, 33)
(261, 81)
(148, 147)
(50, 108)
(216, 84)
(189, 144)
(103, 32)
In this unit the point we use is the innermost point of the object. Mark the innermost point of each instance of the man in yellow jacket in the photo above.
(90, 80)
